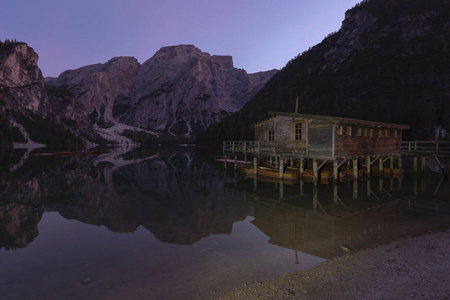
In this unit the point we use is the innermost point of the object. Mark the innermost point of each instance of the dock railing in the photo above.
(249, 147)
(426, 147)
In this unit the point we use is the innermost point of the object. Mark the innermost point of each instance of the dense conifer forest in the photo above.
(398, 75)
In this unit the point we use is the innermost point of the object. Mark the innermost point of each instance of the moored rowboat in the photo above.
(275, 173)
(246, 169)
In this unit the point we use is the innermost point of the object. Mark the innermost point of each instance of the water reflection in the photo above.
(175, 196)
(324, 219)
(162, 201)
(18, 225)
(240, 230)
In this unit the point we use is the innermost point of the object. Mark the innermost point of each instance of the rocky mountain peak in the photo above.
(19, 68)
(21, 77)
(182, 90)
(355, 24)
(176, 93)
(97, 86)
(224, 62)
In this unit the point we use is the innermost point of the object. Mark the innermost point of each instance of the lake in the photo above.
(159, 223)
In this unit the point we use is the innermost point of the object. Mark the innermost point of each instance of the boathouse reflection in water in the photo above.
(178, 197)
(320, 219)
(232, 230)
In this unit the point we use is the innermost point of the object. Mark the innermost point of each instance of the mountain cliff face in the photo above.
(96, 87)
(178, 92)
(181, 91)
(26, 113)
(21, 82)
(389, 62)
(175, 94)
(159, 192)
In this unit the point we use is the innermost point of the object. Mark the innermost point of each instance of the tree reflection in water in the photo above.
(239, 229)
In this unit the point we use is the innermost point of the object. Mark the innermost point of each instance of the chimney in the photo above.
(296, 104)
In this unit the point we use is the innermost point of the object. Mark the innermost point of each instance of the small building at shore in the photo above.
(326, 137)
(440, 133)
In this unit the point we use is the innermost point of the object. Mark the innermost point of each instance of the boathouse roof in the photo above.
(333, 120)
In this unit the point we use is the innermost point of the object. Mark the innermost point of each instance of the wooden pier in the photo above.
(330, 147)
(434, 155)
(426, 148)
(321, 143)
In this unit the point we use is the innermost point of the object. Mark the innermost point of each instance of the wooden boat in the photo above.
(397, 173)
(308, 176)
(70, 153)
(326, 177)
(247, 169)
(263, 178)
(376, 171)
(293, 169)
(275, 173)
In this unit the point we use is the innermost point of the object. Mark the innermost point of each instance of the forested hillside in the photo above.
(389, 62)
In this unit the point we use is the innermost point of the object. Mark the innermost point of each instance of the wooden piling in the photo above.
(335, 171)
(368, 162)
(315, 171)
(335, 193)
(423, 165)
(301, 167)
(281, 189)
(415, 165)
(281, 167)
(355, 169)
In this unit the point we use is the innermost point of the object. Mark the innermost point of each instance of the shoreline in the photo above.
(414, 267)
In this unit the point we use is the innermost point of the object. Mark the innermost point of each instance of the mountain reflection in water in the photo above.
(239, 230)
(177, 197)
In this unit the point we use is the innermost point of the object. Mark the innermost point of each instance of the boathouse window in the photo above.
(395, 133)
(298, 131)
(386, 133)
(371, 132)
(359, 131)
(271, 135)
(341, 130)
(365, 131)
(349, 130)
(379, 132)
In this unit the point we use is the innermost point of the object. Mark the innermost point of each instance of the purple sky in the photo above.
(259, 34)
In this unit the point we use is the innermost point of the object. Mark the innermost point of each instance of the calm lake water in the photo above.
(174, 224)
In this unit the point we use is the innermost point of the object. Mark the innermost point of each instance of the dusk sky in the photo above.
(259, 34)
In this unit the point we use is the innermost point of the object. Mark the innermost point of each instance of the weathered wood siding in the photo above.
(320, 138)
(328, 137)
(262, 128)
(284, 142)
(376, 143)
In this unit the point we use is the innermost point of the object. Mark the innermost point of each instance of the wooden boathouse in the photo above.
(311, 141)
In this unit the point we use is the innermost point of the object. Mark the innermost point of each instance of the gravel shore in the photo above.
(412, 268)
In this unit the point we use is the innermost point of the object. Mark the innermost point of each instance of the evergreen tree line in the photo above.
(45, 131)
(40, 130)
(393, 79)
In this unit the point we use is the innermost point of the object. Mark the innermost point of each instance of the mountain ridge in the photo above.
(389, 62)
(170, 98)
